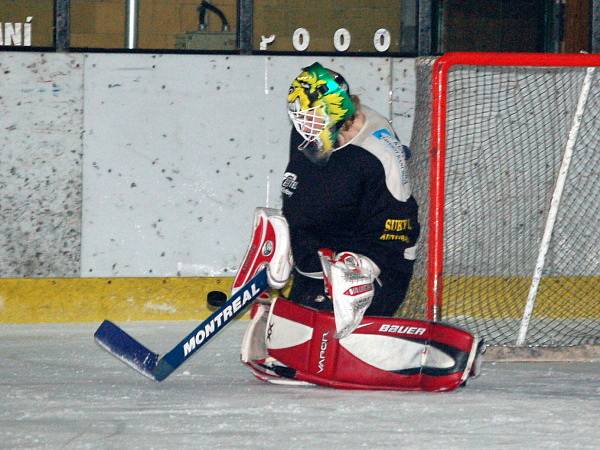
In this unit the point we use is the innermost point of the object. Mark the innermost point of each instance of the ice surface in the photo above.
(59, 390)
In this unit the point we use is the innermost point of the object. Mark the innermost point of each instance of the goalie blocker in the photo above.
(382, 353)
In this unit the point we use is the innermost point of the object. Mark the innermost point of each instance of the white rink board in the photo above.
(180, 149)
(41, 123)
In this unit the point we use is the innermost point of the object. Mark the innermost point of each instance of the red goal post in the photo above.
(481, 105)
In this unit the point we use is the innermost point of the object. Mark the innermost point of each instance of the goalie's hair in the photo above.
(357, 105)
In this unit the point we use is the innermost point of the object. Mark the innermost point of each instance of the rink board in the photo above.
(183, 298)
(96, 299)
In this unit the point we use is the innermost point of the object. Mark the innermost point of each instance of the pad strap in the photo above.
(313, 275)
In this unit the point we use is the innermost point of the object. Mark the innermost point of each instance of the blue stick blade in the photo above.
(122, 346)
(163, 370)
(206, 330)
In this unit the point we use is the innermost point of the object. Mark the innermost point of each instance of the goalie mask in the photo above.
(318, 104)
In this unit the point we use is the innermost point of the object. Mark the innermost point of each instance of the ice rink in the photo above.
(59, 390)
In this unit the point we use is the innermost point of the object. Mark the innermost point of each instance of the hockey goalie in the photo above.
(351, 222)
(289, 343)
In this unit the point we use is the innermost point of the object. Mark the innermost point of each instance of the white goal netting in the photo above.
(521, 228)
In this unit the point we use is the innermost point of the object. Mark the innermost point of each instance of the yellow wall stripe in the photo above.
(559, 297)
(96, 299)
(184, 298)
(489, 297)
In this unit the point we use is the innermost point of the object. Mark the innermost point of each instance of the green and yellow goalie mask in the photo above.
(319, 103)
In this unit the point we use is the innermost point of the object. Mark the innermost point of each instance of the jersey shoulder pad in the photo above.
(379, 139)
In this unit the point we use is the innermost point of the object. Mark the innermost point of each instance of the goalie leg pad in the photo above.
(270, 246)
(254, 351)
(382, 353)
(253, 342)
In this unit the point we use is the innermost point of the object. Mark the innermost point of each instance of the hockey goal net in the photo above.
(506, 170)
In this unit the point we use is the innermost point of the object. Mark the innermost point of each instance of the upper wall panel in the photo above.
(41, 123)
(180, 149)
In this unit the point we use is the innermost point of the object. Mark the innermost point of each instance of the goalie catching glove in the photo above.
(348, 279)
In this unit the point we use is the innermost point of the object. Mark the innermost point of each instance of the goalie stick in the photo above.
(124, 347)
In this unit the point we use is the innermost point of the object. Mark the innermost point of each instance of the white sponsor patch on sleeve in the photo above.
(390, 152)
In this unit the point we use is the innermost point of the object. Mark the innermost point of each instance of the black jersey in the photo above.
(359, 201)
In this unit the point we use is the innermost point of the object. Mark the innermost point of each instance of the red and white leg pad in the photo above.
(254, 351)
(382, 353)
